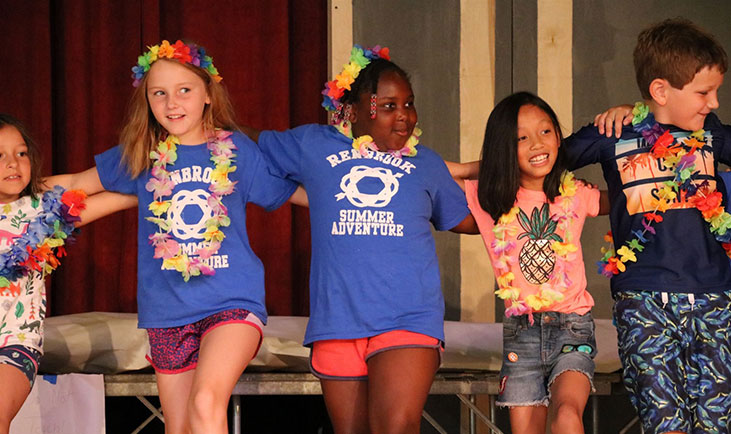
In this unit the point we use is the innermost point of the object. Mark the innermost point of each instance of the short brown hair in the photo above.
(35, 186)
(675, 50)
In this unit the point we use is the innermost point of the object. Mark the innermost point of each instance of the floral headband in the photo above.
(359, 59)
(180, 51)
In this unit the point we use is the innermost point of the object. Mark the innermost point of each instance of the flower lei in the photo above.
(160, 184)
(680, 158)
(41, 246)
(180, 51)
(365, 142)
(552, 291)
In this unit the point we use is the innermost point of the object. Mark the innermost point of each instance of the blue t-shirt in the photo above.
(374, 265)
(683, 256)
(163, 298)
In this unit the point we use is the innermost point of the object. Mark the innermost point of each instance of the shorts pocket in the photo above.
(582, 328)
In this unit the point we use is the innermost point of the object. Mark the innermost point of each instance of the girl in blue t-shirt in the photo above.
(200, 286)
(376, 307)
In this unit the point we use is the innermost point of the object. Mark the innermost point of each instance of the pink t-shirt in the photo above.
(534, 259)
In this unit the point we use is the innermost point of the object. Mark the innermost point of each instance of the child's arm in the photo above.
(467, 226)
(603, 202)
(613, 119)
(463, 170)
(88, 181)
(103, 204)
(299, 197)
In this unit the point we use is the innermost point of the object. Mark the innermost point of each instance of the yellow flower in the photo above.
(213, 234)
(563, 249)
(536, 302)
(508, 293)
(505, 280)
(568, 185)
(177, 262)
(352, 68)
(661, 205)
(626, 254)
(159, 207)
(509, 217)
(153, 52)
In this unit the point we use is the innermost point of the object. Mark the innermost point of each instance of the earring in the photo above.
(373, 106)
(338, 114)
(346, 113)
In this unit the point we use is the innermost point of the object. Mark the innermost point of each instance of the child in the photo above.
(33, 229)
(671, 280)
(530, 213)
(376, 306)
(200, 286)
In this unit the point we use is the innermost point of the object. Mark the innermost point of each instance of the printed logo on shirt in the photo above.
(369, 187)
(189, 211)
(643, 176)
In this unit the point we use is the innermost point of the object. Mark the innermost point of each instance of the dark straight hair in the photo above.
(499, 176)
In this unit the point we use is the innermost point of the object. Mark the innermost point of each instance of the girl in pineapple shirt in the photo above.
(530, 213)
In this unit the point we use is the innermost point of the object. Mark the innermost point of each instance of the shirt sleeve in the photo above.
(589, 197)
(283, 150)
(267, 190)
(449, 202)
(113, 173)
(584, 147)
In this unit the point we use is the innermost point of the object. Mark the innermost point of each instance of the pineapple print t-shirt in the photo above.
(534, 260)
(23, 303)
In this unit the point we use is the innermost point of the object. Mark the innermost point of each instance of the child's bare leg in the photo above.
(528, 419)
(174, 390)
(569, 393)
(16, 388)
(224, 353)
(398, 385)
(347, 405)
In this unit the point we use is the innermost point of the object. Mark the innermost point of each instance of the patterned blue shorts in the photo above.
(676, 356)
(535, 355)
(24, 358)
(175, 349)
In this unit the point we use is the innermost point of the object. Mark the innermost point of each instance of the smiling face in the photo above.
(15, 166)
(395, 113)
(688, 107)
(177, 98)
(538, 144)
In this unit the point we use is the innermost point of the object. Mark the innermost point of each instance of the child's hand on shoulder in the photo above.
(613, 119)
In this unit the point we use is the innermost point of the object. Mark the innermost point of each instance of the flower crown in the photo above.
(180, 51)
(359, 59)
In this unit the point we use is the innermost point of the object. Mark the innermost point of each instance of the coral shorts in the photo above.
(346, 359)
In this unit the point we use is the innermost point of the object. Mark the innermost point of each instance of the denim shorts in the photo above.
(676, 358)
(534, 355)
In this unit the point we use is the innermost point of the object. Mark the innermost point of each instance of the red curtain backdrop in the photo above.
(65, 73)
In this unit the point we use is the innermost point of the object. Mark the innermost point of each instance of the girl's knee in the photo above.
(206, 403)
(396, 422)
(566, 418)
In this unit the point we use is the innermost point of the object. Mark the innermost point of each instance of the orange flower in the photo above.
(74, 199)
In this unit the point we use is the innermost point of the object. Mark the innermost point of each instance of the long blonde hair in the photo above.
(142, 132)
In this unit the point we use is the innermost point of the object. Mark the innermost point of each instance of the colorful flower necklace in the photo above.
(41, 246)
(552, 291)
(680, 158)
(365, 142)
(161, 184)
